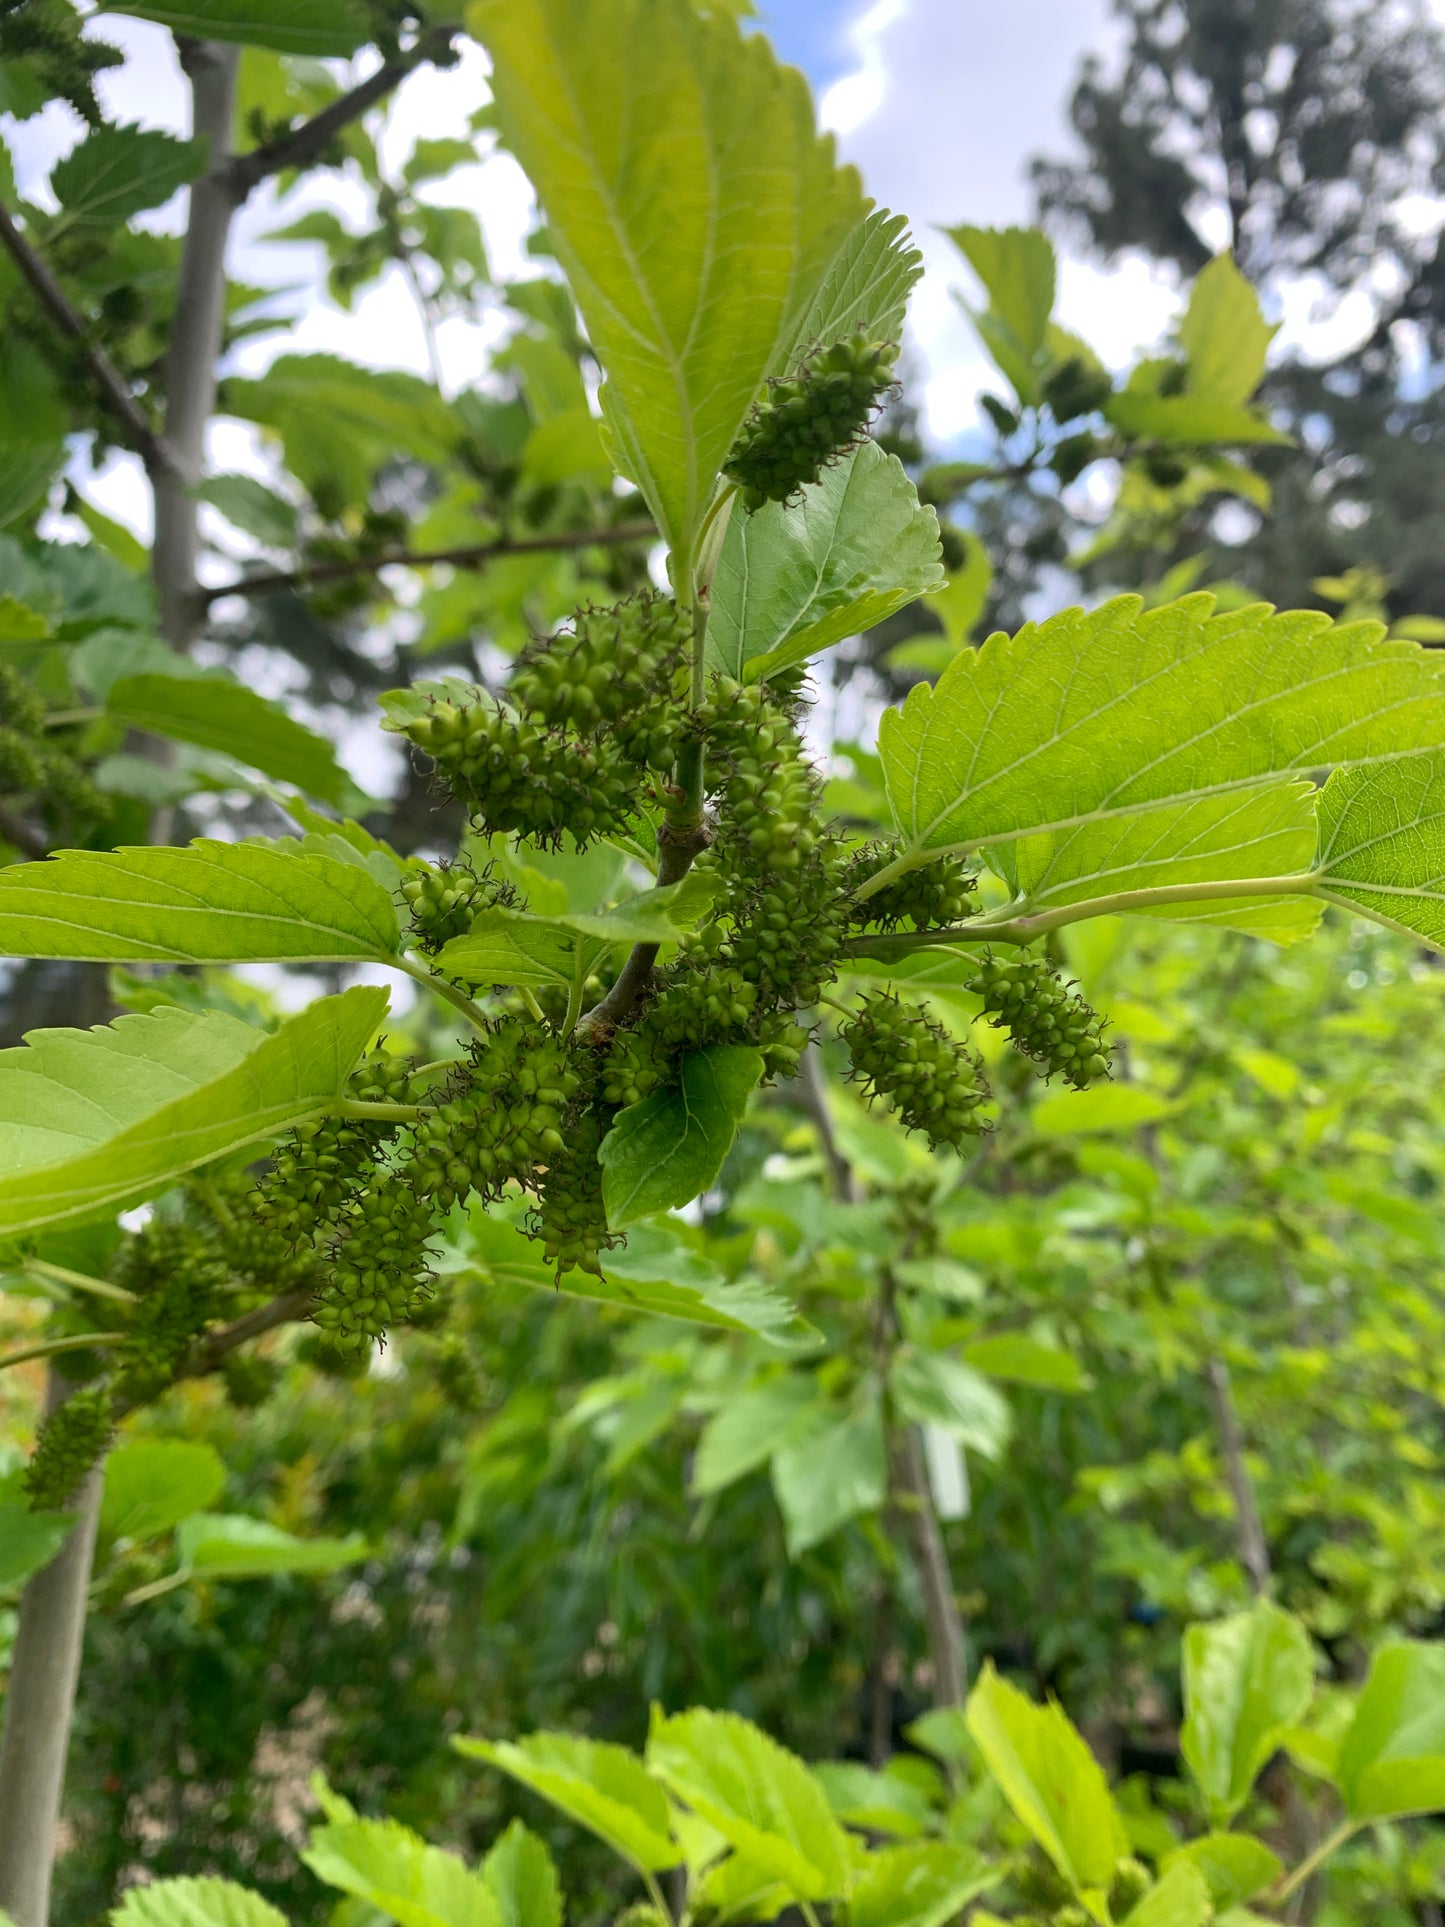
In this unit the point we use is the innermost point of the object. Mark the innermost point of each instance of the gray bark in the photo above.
(195, 342)
(39, 1702)
(947, 1644)
(1248, 1527)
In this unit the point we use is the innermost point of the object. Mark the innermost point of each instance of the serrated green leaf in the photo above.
(1246, 1679)
(286, 26)
(19, 622)
(117, 171)
(1392, 1758)
(922, 1884)
(696, 213)
(218, 1545)
(187, 1902)
(1016, 267)
(209, 903)
(513, 947)
(1051, 1780)
(833, 1469)
(152, 1484)
(603, 1787)
(794, 578)
(28, 1541)
(758, 1795)
(94, 1121)
(750, 1428)
(394, 1870)
(865, 290)
(1265, 832)
(1382, 844)
(932, 1388)
(1223, 334)
(1099, 717)
(667, 1150)
(522, 1877)
(652, 1274)
(225, 716)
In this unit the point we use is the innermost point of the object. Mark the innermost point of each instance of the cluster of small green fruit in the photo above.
(40, 766)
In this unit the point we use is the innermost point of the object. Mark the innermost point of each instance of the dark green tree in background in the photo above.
(1307, 136)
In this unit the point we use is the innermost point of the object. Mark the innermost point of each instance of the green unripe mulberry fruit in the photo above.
(808, 421)
(444, 901)
(930, 898)
(931, 1083)
(69, 1443)
(1045, 1018)
(614, 670)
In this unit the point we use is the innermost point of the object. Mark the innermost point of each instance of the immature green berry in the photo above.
(445, 900)
(379, 1266)
(319, 1163)
(1045, 1018)
(614, 670)
(501, 1119)
(69, 1443)
(933, 1084)
(808, 421)
(929, 898)
(570, 1218)
(176, 1272)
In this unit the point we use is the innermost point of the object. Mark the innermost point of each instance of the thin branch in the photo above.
(140, 432)
(813, 1088)
(208, 1352)
(676, 851)
(18, 833)
(43, 1273)
(472, 555)
(1249, 1529)
(48, 1348)
(310, 140)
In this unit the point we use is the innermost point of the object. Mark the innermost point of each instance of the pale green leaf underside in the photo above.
(865, 290)
(922, 1884)
(692, 204)
(1246, 1678)
(1392, 1759)
(1100, 716)
(757, 1794)
(152, 1484)
(794, 578)
(1382, 844)
(319, 27)
(232, 719)
(92, 1121)
(649, 1274)
(210, 903)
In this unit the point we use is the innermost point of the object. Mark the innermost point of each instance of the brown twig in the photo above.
(53, 298)
(676, 853)
(208, 1352)
(474, 555)
(18, 833)
(310, 140)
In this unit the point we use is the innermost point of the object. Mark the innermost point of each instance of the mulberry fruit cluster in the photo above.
(176, 1272)
(934, 1085)
(379, 1262)
(929, 898)
(616, 670)
(1045, 1018)
(445, 900)
(809, 420)
(69, 1443)
(570, 1218)
(38, 763)
(593, 715)
(502, 1119)
(323, 1161)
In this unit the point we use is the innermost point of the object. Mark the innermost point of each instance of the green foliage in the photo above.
(1246, 1680)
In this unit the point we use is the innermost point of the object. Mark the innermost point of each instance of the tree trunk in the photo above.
(39, 1702)
(1249, 1530)
(947, 1643)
